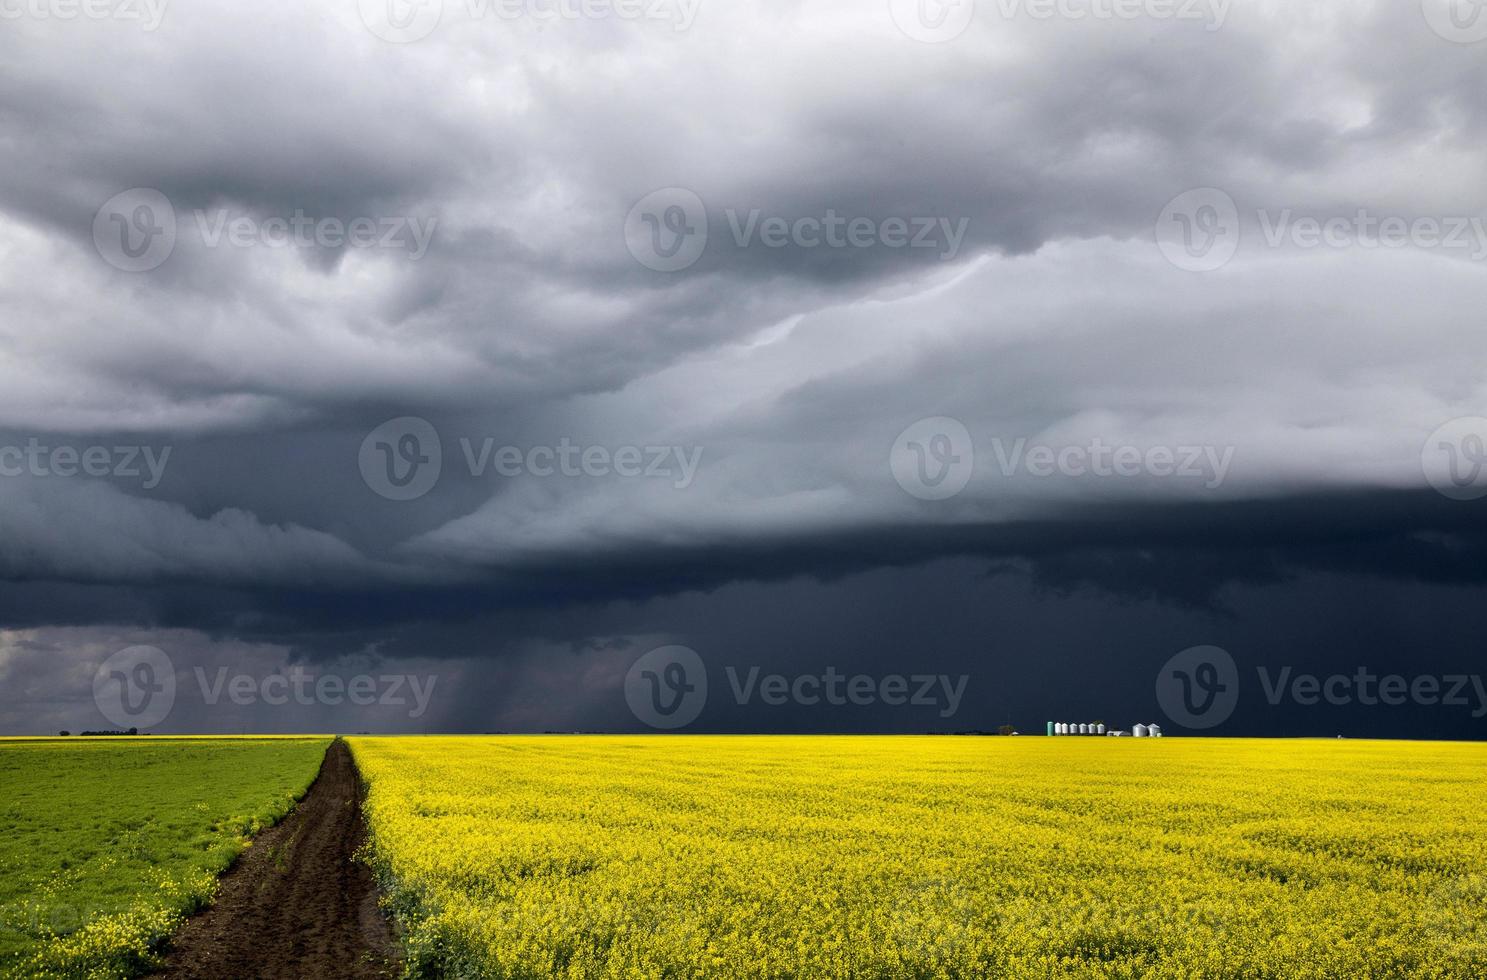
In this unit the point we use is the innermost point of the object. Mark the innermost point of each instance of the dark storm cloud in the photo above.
(788, 370)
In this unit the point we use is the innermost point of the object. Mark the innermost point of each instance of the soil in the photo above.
(296, 903)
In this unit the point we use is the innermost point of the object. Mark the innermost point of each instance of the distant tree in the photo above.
(1004, 730)
(64, 734)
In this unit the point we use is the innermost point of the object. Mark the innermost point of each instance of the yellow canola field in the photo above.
(811, 857)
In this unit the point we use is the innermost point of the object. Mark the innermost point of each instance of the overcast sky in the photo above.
(501, 343)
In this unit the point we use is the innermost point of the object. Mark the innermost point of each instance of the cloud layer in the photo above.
(789, 363)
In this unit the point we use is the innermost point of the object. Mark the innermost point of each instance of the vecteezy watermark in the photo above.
(932, 21)
(136, 688)
(238, 229)
(934, 459)
(1458, 21)
(1211, 13)
(1209, 464)
(1200, 230)
(144, 463)
(940, 691)
(567, 459)
(406, 21)
(937, 21)
(1453, 909)
(1199, 688)
(1364, 229)
(304, 688)
(667, 688)
(402, 459)
(149, 14)
(1367, 688)
(667, 231)
(137, 231)
(1454, 458)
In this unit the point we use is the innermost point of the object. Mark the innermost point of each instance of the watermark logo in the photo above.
(149, 13)
(667, 229)
(1367, 230)
(237, 229)
(1366, 688)
(834, 688)
(143, 463)
(1212, 13)
(401, 459)
(1454, 458)
(1458, 21)
(838, 231)
(933, 459)
(678, 464)
(406, 21)
(135, 231)
(667, 688)
(304, 688)
(933, 919)
(401, 21)
(932, 21)
(136, 687)
(1457, 909)
(1198, 230)
(1210, 464)
(1199, 687)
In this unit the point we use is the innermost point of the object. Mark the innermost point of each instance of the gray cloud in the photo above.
(792, 369)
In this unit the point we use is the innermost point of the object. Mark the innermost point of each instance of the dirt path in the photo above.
(295, 904)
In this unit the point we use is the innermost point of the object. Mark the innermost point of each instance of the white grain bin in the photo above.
(1058, 728)
(1154, 730)
(1063, 728)
(1083, 728)
(1139, 731)
(1100, 728)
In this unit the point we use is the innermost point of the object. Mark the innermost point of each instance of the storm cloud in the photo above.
(513, 349)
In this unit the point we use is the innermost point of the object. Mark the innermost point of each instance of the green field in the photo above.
(108, 842)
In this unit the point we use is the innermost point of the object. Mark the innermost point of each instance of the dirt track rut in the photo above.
(297, 903)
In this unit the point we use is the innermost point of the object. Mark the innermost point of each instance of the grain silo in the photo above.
(1139, 731)
(1050, 728)
(1154, 730)
(1100, 728)
(1083, 728)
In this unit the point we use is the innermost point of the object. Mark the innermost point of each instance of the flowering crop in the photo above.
(928, 857)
